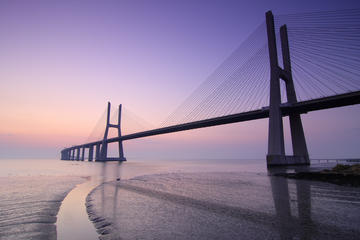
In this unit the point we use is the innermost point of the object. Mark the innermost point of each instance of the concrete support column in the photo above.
(67, 155)
(77, 153)
(91, 153)
(104, 145)
(121, 152)
(103, 152)
(121, 149)
(83, 154)
(97, 153)
(297, 132)
(276, 149)
(298, 138)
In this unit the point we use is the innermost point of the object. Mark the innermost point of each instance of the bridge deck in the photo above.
(340, 100)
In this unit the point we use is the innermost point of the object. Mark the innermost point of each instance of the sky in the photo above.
(62, 61)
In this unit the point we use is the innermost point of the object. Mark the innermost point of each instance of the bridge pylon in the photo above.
(101, 151)
(276, 150)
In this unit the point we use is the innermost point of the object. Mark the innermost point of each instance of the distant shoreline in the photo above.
(344, 175)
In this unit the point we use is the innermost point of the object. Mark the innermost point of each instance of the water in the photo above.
(234, 204)
(197, 199)
(31, 194)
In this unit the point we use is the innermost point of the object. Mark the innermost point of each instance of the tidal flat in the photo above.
(223, 205)
(29, 205)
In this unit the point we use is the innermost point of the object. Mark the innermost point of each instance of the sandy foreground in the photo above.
(29, 205)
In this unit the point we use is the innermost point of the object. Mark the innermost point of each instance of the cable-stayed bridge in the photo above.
(319, 69)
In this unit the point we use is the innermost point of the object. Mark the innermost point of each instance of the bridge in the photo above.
(344, 76)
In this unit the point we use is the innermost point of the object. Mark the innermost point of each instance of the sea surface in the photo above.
(170, 199)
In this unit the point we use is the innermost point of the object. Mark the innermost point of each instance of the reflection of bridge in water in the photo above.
(325, 74)
(286, 208)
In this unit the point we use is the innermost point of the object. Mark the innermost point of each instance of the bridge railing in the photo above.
(336, 160)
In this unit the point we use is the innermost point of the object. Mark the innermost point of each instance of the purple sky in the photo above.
(61, 61)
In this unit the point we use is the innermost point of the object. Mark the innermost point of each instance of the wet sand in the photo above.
(223, 206)
(29, 205)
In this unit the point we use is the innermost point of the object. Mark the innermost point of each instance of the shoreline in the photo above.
(343, 175)
(102, 226)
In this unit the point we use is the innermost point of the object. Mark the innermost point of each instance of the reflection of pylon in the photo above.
(102, 155)
(276, 149)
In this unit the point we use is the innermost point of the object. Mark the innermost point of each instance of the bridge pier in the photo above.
(97, 152)
(276, 150)
(296, 128)
(77, 153)
(83, 154)
(65, 155)
(71, 154)
(91, 153)
(120, 143)
(104, 144)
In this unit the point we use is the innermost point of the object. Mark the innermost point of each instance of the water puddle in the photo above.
(72, 220)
